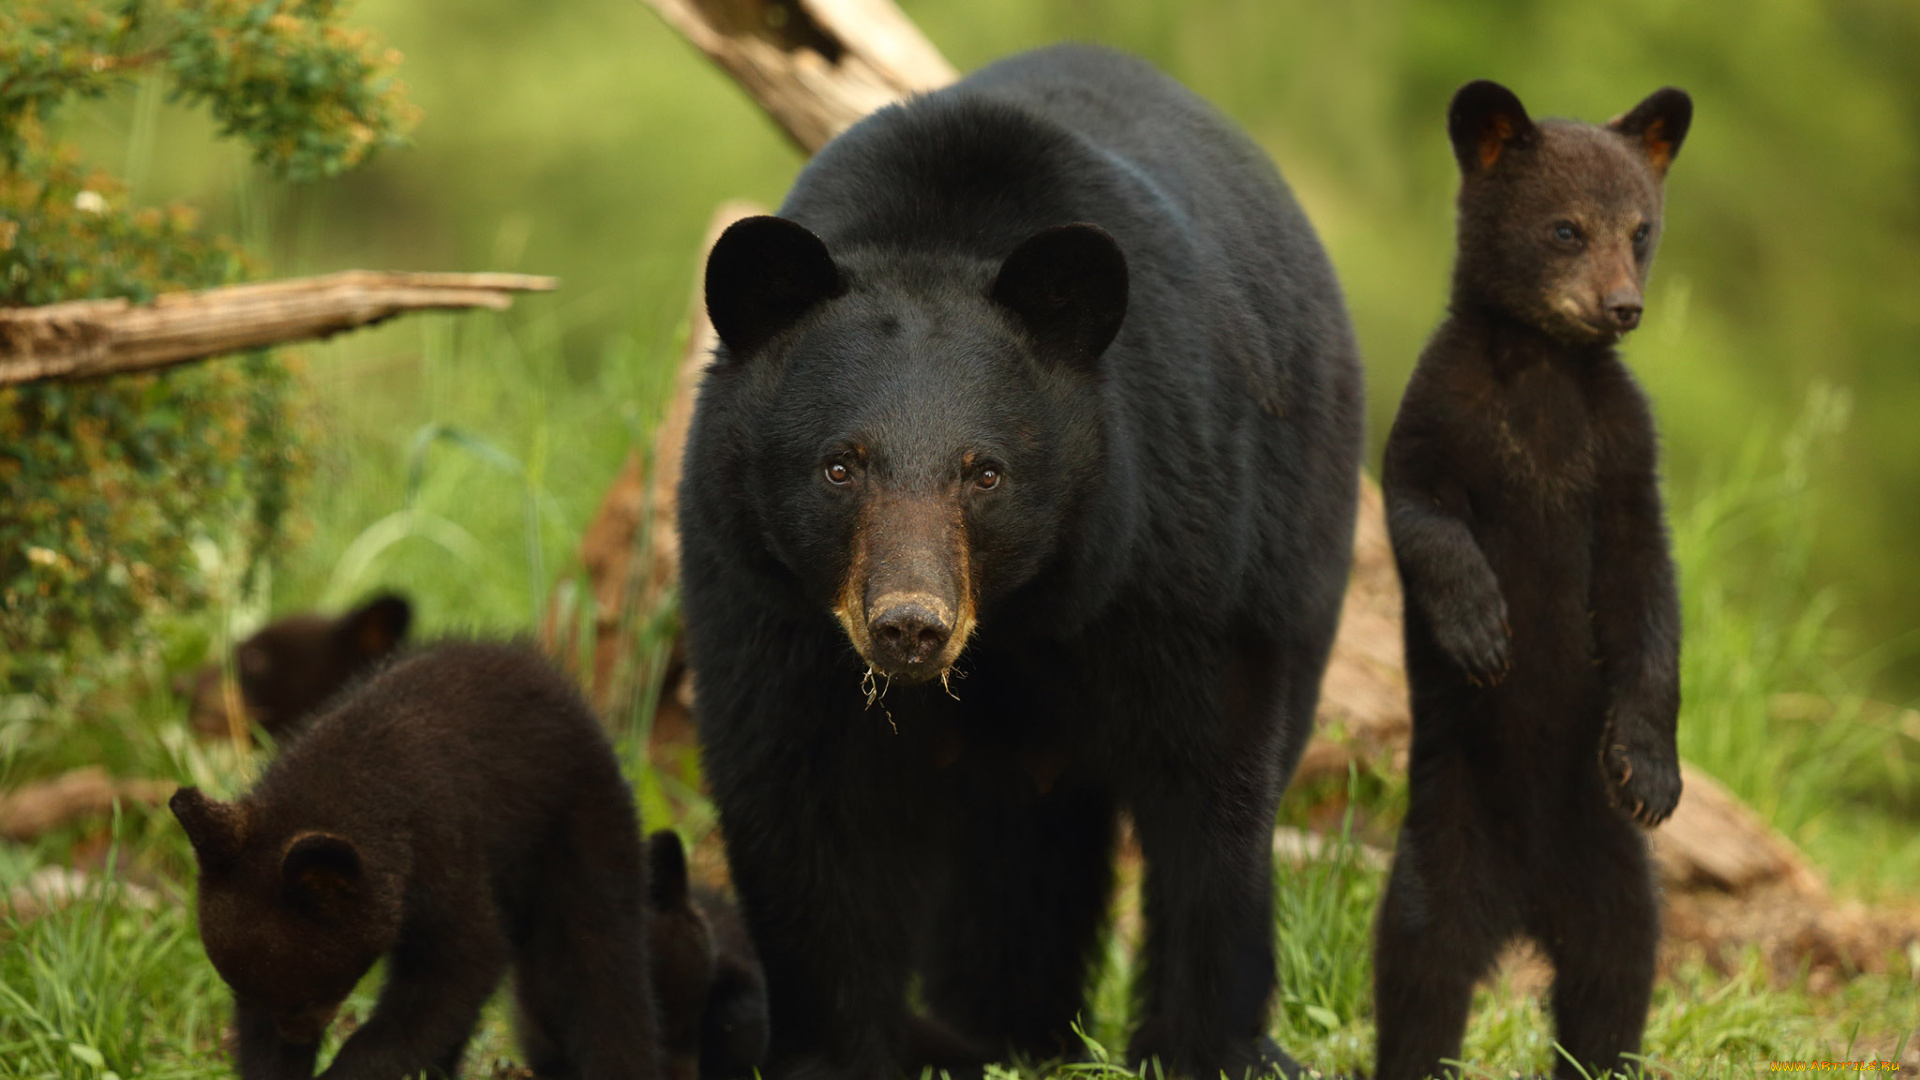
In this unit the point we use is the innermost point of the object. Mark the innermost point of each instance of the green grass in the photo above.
(486, 433)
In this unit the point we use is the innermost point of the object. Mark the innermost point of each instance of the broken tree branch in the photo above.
(88, 338)
(815, 66)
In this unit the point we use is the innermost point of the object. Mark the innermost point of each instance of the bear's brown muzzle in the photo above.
(907, 603)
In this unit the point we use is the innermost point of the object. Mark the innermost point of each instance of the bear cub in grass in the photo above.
(1542, 623)
(459, 813)
(706, 979)
(293, 666)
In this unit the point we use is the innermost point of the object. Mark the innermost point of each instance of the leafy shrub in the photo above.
(106, 485)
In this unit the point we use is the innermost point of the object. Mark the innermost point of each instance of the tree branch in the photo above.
(88, 338)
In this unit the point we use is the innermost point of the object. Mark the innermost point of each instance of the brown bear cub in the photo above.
(295, 665)
(457, 813)
(706, 978)
(1542, 623)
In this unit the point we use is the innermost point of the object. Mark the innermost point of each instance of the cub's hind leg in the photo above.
(1596, 914)
(1450, 905)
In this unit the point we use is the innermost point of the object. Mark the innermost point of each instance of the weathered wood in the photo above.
(42, 807)
(815, 66)
(87, 338)
(637, 516)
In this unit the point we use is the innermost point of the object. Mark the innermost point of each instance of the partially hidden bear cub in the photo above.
(295, 665)
(706, 979)
(459, 813)
(1542, 624)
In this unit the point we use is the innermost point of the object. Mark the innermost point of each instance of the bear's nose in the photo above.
(908, 634)
(1623, 308)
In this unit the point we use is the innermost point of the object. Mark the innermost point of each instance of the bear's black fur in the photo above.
(1542, 625)
(458, 812)
(1020, 493)
(295, 665)
(706, 980)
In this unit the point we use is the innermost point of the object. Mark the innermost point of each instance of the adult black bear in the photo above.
(457, 813)
(1542, 625)
(1020, 492)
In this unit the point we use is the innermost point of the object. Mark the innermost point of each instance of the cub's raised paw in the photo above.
(1643, 782)
(1475, 635)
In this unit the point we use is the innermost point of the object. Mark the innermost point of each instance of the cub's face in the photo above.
(1559, 220)
(291, 923)
(922, 429)
(292, 667)
(297, 968)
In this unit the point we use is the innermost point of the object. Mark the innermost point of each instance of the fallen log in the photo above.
(42, 807)
(85, 339)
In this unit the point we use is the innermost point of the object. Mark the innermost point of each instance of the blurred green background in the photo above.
(585, 139)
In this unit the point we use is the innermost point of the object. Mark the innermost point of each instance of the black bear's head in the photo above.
(918, 425)
(1559, 219)
(293, 666)
(291, 919)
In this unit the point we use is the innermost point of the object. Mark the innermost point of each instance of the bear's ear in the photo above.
(319, 871)
(1658, 125)
(666, 871)
(377, 627)
(1068, 286)
(217, 830)
(1485, 121)
(765, 273)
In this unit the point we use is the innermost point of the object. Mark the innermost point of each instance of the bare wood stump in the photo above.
(816, 66)
(637, 515)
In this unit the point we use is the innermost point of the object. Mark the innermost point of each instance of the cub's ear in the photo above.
(666, 871)
(765, 273)
(217, 830)
(1068, 286)
(319, 871)
(377, 627)
(1659, 125)
(1485, 121)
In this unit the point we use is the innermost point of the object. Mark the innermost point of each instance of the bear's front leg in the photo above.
(1203, 801)
(827, 849)
(1446, 574)
(438, 978)
(1636, 608)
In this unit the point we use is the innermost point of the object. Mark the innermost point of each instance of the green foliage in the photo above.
(106, 486)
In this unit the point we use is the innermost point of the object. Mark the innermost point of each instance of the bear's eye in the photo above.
(988, 479)
(838, 473)
(1640, 234)
(1565, 232)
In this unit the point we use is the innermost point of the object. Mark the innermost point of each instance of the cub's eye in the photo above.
(1565, 233)
(988, 479)
(838, 473)
(1640, 234)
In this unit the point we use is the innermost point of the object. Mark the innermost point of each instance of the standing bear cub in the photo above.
(1020, 492)
(459, 812)
(1542, 625)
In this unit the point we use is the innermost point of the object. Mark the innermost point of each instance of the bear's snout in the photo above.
(907, 601)
(908, 631)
